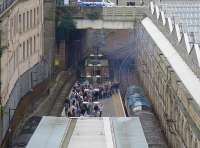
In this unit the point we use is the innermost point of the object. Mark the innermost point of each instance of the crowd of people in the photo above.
(84, 99)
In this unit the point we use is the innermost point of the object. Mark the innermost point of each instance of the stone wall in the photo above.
(24, 84)
(61, 57)
(179, 115)
(49, 33)
(27, 34)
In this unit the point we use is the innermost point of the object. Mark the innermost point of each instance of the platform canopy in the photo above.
(62, 132)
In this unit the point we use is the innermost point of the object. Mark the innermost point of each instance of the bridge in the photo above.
(119, 17)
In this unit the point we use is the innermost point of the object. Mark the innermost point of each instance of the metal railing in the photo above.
(5, 4)
(123, 13)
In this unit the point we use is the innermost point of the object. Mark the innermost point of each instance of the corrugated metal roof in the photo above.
(134, 89)
(128, 133)
(186, 13)
(88, 133)
(52, 132)
(138, 101)
(49, 133)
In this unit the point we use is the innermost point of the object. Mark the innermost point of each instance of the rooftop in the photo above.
(103, 132)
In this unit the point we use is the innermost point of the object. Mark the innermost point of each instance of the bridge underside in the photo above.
(102, 24)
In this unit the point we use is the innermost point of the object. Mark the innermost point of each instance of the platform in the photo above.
(113, 106)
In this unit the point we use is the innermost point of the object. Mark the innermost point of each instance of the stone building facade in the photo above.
(177, 111)
(23, 63)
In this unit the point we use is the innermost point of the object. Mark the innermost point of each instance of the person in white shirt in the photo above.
(100, 110)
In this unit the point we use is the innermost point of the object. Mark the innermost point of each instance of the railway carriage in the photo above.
(138, 105)
(96, 69)
(135, 100)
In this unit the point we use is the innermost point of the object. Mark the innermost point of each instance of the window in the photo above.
(27, 47)
(20, 23)
(14, 58)
(23, 22)
(34, 17)
(27, 22)
(37, 15)
(130, 3)
(11, 28)
(31, 46)
(17, 55)
(31, 21)
(15, 24)
(98, 72)
(34, 44)
(24, 55)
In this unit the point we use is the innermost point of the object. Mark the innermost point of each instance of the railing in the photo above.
(109, 13)
(5, 4)
(82, 13)
(122, 13)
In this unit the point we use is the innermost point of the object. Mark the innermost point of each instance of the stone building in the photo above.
(175, 101)
(23, 60)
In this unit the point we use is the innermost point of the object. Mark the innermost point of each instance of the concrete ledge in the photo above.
(99, 24)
